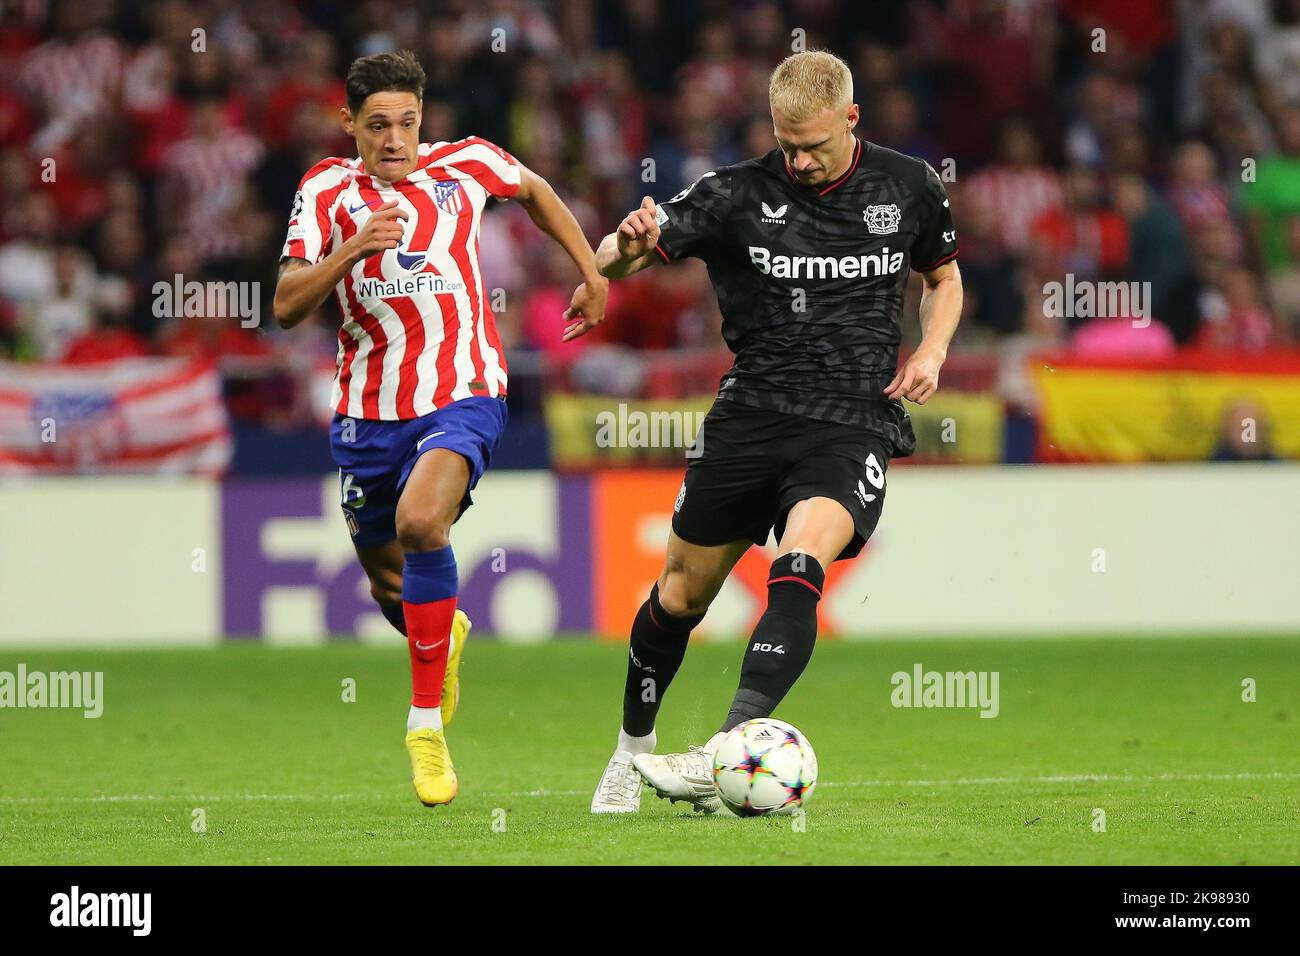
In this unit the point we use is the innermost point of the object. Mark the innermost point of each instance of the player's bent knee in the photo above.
(677, 597)
(387, 590)
(422, 533)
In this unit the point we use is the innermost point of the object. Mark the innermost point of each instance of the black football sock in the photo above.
(396, 616)
(784, 639)
(657, 648)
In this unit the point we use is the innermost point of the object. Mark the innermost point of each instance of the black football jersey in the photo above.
(810, 279)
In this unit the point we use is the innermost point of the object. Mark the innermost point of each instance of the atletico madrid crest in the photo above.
(449, 197)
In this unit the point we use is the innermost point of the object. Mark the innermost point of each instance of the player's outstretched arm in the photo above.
(631, 247)
(587, 307)
(918, 379)
(303, 286)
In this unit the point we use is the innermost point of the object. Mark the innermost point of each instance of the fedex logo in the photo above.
(289, 570)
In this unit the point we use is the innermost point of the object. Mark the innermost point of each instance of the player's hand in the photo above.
(383, 230)
(918, 379)
(638, 233)
(586, 309)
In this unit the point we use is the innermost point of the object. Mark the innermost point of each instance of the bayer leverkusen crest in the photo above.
(882, 220)
(449, 197)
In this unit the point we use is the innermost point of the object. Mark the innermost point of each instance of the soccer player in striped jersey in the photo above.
(419, 397)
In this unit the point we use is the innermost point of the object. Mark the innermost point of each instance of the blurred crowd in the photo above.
(1150, 141)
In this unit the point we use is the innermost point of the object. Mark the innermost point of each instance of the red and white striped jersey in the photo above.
(203, 181)
(1015, 197)
(418, 332)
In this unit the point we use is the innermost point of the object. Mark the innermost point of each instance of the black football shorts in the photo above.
(750, 466)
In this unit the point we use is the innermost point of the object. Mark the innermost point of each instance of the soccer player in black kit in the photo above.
(808, 249)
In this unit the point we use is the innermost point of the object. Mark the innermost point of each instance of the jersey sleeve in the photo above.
(692, 221)
(936, 242)
(489, 165)
(309, 220)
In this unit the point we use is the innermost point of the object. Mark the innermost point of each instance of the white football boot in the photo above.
(684, 777)
(619, 790)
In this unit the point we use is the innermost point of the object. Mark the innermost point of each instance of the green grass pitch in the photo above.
(1153, 732)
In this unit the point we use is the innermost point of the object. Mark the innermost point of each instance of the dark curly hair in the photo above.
(382, 72)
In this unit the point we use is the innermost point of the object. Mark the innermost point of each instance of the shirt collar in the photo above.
(823, 190)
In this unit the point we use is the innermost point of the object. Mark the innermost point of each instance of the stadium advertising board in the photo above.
(1093, 551)
(594, 431)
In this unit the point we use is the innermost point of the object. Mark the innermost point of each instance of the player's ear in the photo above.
(346, 121)
(853, 115)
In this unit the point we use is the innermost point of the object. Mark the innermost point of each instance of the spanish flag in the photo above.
(1179, 408)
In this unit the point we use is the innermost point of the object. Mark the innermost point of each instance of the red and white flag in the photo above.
(136, 415)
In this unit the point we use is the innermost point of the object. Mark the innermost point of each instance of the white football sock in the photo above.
(424, 718)
(628, 747)
(714, 743)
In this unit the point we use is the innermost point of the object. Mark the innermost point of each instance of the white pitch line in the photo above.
(984, 781)
(188, 798)
(955, 782)
(1067, 778)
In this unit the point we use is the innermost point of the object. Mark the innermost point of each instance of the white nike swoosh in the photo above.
(426, 647)
(426, 438)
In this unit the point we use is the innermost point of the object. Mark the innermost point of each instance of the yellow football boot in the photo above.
(431, 770)
(460, 628)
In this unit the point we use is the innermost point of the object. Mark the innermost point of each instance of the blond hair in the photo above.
(804, 84)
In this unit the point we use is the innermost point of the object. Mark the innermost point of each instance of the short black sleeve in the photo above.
(692, 221)
(936, 242)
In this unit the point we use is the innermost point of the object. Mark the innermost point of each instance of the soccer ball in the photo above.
(764, 766)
